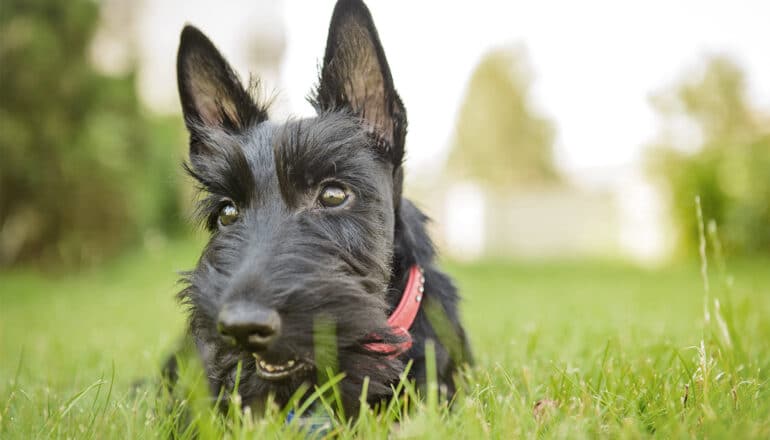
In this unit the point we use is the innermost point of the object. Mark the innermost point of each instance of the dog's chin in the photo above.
(289, 369)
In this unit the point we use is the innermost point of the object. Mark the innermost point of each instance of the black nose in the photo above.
(250, 326)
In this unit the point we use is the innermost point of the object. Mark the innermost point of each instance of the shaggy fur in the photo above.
(342, 268)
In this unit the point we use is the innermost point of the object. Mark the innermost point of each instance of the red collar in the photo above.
(403, 316)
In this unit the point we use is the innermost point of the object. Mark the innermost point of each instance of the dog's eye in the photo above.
(333, 196)
(228, 214)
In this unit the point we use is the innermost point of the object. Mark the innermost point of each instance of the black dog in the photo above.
(310, 234)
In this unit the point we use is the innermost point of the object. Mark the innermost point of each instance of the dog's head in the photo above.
(301, 217)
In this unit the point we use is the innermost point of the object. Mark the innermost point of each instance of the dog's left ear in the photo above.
(355, 76)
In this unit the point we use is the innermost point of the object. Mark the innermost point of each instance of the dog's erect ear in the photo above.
(210, 91)
(355, 76)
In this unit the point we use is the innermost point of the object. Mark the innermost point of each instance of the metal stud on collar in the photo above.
(421, 288)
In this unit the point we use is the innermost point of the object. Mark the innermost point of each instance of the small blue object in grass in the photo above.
(313, 424)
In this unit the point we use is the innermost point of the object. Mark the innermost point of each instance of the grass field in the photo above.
(564, 350)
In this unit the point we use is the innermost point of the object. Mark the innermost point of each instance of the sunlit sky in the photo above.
(595, 62)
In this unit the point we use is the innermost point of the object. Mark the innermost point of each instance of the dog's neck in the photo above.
(411, 246)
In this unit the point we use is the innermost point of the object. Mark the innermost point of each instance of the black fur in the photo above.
(343, 267)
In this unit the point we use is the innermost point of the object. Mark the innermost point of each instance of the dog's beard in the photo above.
(352, 319)
(353, 366)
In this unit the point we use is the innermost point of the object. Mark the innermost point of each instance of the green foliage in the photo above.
(83, 172)
(500, 139)
(730, 171)
(564, 350)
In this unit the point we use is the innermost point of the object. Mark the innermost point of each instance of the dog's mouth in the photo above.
(268, 371)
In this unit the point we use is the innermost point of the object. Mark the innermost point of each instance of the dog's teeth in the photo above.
(270, 368)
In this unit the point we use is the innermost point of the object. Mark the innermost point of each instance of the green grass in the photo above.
(607, 349)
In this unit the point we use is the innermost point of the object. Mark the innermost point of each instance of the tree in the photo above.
(81, 174)
(500, 139)
(730, 169)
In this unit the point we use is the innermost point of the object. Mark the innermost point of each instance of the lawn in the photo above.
(580, 349)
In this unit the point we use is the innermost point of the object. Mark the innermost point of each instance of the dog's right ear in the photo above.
(211, 93)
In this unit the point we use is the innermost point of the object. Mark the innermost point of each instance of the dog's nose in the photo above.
(251, 326)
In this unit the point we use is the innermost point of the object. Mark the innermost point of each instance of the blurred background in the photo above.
(558, 146)
(538, 130)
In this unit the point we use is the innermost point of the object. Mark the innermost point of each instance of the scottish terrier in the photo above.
(309, 232)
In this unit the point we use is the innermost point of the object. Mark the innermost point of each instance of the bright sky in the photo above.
(595, 62)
